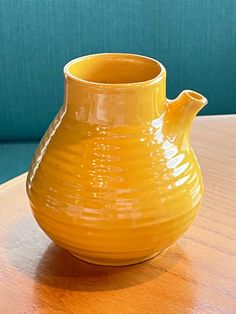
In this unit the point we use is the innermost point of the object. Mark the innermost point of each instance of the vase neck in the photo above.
(115, 103)
(114, 106)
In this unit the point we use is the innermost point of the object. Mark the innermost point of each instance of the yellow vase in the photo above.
(114, 180)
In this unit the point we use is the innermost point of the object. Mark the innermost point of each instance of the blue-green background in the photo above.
(194, 39)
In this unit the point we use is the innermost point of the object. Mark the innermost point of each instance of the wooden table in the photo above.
(196, 275)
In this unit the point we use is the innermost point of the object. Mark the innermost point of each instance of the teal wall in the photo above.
(194, 39)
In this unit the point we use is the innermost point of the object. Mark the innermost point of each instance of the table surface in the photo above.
(196, 275)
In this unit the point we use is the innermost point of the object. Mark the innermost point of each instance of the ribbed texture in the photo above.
(113, 193)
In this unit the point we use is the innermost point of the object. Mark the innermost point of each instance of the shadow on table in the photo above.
(32, 253)
(58, 268)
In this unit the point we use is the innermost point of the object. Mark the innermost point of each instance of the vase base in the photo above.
(124, 262)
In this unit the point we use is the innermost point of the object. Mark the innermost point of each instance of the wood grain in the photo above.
(196, 275)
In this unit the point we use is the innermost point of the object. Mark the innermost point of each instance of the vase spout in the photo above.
(180, 114)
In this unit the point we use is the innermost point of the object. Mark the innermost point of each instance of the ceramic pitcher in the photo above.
(114, 180)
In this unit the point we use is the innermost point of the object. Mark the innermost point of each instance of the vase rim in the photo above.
(159, 75)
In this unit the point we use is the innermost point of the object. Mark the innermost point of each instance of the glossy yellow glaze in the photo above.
(114, 180)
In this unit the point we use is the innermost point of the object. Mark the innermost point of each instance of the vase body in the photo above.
(114, 180)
